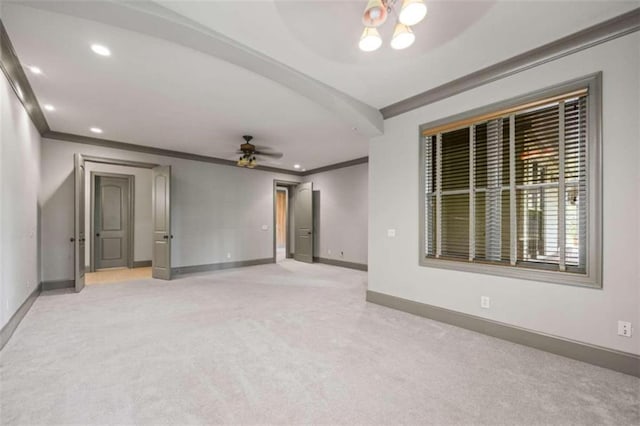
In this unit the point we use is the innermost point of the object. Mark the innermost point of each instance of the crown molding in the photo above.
(18, 81)
(107, 143)
(611, 29)
(341, 165)
(13, 70)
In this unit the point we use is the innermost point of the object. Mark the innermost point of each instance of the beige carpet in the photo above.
(116, 275)
(288, 343)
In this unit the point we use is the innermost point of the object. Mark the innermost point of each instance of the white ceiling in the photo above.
(319, 38)
(156, 92)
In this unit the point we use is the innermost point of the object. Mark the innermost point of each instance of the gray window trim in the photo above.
(593, 276)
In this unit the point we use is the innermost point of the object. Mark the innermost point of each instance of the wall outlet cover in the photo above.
(391, 233)
(485, 302)
(624, 328)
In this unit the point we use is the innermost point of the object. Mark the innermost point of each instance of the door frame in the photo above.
(290, 194)
(115, 162)
(131, 213)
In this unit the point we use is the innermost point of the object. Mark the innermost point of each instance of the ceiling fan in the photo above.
(249, 152)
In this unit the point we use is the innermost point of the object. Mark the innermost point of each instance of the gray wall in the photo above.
(581, 314)
(19, 203)
(341, 204)
(216, 209)
(142, 206)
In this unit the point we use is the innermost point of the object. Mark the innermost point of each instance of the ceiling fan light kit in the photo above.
(375, 14)
(248, 150)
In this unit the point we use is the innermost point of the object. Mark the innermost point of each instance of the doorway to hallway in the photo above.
(282, 213)
(151, 243)
(293, 224)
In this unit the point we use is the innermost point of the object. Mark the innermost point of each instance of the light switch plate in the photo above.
(391, 233)
(265, 227)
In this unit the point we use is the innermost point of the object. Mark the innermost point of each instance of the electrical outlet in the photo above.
(624, 328)
(485, 302)
(391, 233)
(265, 227)
(228, 255)
(329, 252)
(341, 254)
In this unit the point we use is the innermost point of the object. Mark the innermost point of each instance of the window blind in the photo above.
(509, 187)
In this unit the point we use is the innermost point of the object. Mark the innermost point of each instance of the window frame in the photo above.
(593, 276)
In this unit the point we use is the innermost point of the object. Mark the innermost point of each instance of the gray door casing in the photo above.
(303, 213)
(79, 231)
(112, 215)
(161, 222)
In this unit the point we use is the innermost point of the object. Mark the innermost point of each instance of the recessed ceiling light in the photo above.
(35, 70)
(49, 107)
(96, 129)
(296, 166)
(100, 50)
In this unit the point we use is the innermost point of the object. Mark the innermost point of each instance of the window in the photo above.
(513, 189)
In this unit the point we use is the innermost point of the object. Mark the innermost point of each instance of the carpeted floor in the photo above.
(287, 343)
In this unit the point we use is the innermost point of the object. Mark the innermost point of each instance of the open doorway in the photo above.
(292, 221)
(126, 233)
(282, 222)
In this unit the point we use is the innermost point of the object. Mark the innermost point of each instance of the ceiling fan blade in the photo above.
(269, 154)
(263, 148)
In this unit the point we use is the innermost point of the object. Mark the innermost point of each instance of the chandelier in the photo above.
(375, 14)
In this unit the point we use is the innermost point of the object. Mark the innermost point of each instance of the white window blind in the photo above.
(510, 187)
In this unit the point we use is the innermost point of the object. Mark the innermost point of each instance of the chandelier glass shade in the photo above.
(412, 12)
(403, 37)
(376, 13)
(370, 40)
